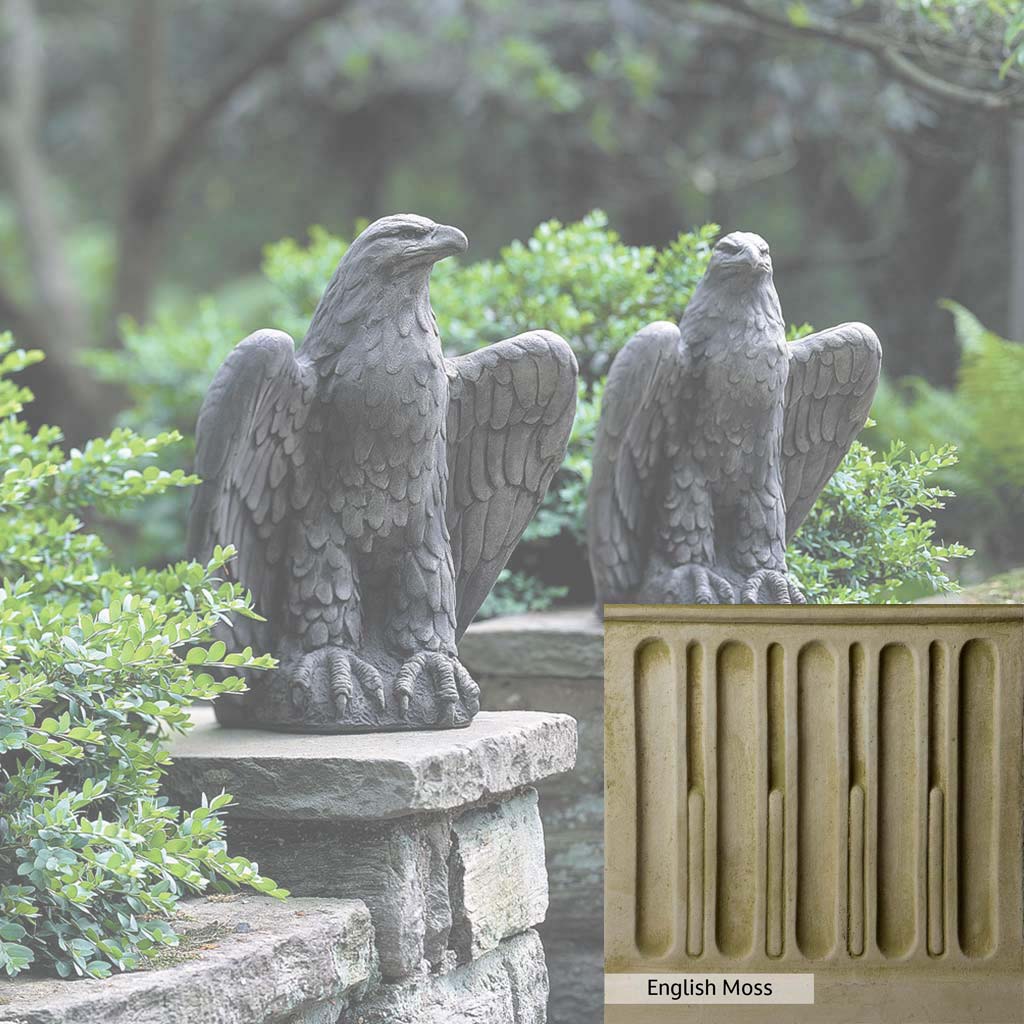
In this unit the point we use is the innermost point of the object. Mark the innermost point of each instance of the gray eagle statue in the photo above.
(374, 490)
(715, 439)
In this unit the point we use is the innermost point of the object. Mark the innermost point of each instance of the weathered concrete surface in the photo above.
(267, 962)
(505, 986)
(552, 661)
(283, 777)
(498, 880)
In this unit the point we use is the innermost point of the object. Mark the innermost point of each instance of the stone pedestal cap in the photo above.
(369, 777)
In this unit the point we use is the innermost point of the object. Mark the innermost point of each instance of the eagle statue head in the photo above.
(741, 253)
(384, 275)
(738, 282)
(404, 243)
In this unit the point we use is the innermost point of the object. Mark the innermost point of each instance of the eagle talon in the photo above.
(452, 685)
(339, 669)
(779, 586)
(694, 583)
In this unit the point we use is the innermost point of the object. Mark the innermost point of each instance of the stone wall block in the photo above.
(507, 985)
(557, 644)
(498, 879)
(377, 818)
(434, 842)
(400, 871)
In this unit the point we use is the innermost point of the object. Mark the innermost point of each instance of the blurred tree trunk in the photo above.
(903, 271)
(140, 230)
(941, 159)
(55, 319)
(1016, 283)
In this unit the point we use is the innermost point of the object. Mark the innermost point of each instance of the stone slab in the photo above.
(261, 961)
(498, 877)
(565, 643)
(505, 986)
(370, 777)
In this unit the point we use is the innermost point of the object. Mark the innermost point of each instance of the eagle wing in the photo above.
(627, 450)
(250, 456)
(832, 380)
(510, 413)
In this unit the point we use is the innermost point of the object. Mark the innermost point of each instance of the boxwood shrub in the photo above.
(97, 665)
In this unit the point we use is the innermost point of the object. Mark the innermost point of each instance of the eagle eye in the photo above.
(729, 248)
(408, 232)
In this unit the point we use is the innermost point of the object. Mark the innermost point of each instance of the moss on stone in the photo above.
(192, 941)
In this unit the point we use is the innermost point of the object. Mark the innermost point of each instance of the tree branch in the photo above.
(886, 51)
(154, 167)
(151, 188)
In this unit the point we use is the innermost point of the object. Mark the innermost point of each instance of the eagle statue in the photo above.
(716, 437)
(373, 491)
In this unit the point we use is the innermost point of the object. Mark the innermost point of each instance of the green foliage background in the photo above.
(97, 665)
(983, 415)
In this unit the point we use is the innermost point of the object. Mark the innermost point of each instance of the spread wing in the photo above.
(832, 379)
(510, 414)
(627, 451)
(249, 454)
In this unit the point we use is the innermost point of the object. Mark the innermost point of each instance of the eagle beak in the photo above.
(445, 240)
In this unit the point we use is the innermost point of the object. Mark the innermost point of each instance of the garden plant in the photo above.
(983, 416)
(97, 665)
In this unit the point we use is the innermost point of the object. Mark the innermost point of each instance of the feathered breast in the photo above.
(384, 403)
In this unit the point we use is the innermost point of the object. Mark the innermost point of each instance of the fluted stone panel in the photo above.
(835, 789)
